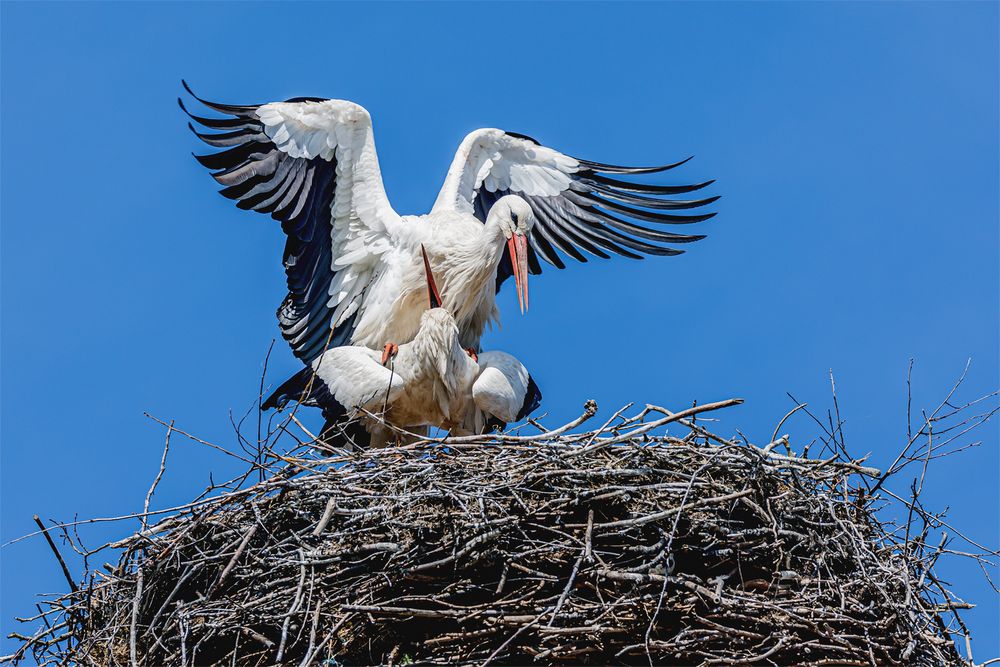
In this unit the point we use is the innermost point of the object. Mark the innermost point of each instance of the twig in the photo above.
(62, 563)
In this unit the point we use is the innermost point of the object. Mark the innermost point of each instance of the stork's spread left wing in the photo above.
(577, 205)
(311, 164)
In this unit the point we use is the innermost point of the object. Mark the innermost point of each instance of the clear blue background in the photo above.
(855, 146)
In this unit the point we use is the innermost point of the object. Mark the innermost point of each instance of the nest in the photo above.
(618, 545)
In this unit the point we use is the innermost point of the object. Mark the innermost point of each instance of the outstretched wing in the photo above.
(577, 205)
(311, 164)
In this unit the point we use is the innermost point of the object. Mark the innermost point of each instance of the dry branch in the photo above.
(619, 545)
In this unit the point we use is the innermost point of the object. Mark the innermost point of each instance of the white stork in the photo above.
(431, 381)
(353, 264)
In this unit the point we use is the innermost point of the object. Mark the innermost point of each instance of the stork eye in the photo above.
(513, 217)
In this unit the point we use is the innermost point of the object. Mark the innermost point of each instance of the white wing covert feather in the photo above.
(497, 160)
(355, 378)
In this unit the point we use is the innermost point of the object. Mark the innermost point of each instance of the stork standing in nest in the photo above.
(430, 381)
(353, 264)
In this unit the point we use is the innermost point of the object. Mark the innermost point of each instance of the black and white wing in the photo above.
(578, 204)
(504, 390)
(311, 164)
(341, 380)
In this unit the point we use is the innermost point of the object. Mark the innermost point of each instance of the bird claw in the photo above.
(472, 353)
(388, 352)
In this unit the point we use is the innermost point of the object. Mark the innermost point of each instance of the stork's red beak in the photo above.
(517, 244)
(433, 297)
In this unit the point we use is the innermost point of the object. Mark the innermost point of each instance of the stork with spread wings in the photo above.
(354, 269)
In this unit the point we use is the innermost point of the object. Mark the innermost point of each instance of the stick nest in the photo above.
(610, 546)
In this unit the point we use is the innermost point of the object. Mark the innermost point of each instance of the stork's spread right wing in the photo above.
(578, 207)
(311, 164)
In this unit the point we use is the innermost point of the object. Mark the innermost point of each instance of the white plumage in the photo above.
(501, 390)
(353, 263)
(432, 381)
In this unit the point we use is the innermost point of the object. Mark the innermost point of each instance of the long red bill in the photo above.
(517, 245)
(522, 258)
(433, 297)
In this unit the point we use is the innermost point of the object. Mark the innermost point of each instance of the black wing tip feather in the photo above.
(215, 105)
(518, 135)
(193, 94)
(231, 157)
(202, 161)
(606, 167)
(697, 203)
(242, 110)
(624, 169)
(532, 399)
(292, 389)
(608, 202)
(629, 186)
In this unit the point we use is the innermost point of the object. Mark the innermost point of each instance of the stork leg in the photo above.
(388, 352)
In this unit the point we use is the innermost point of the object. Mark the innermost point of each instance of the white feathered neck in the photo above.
(435, 360)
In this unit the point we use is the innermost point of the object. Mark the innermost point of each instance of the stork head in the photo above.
(434, 299)
(516, 215)
(516, 218)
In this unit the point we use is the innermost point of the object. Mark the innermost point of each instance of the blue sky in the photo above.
(855, 147)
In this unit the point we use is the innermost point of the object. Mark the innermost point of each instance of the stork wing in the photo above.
(504, 389)
(311, 164)
(577, 205)
(355, 378)
(341, 380)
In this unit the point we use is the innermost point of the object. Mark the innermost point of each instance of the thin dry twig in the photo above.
(619, 545)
